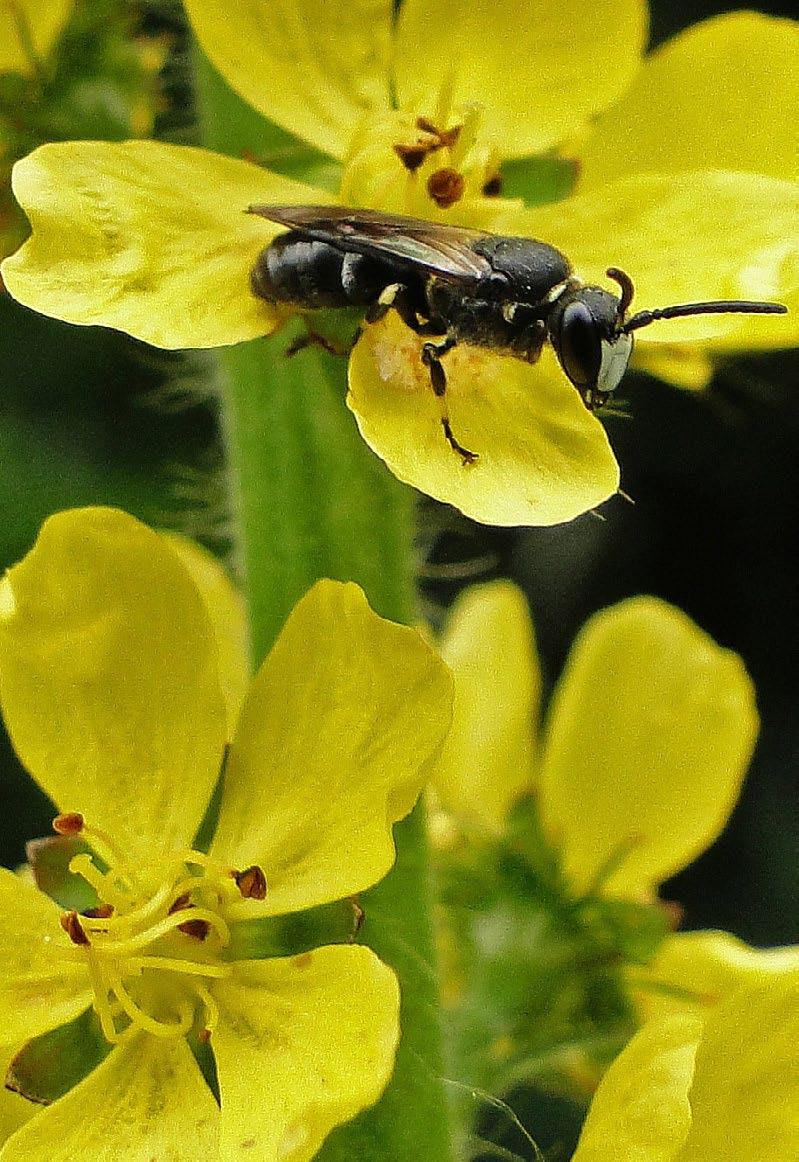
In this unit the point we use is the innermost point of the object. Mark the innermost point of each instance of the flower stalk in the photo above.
(312, 501)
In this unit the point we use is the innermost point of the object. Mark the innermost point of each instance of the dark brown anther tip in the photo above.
(411, 156)
(198, 929)
(70, 922)
(446, 187)
(70, 823)
(492, 187)
(251, 882)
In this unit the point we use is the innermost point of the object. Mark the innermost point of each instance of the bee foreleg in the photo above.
(431, 358)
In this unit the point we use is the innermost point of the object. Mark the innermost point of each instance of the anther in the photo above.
(199, 929)
(411, 156)
(492, 187)
(446, 187)
(70, 823)
(204, 1036)
(251, 882)
(71, 924)
(101, 912)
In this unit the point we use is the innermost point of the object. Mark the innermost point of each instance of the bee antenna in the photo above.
(627, 289)
(724, 307)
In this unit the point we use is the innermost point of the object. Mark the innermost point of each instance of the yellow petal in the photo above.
(694, 970)
(109, 679)
(333, 746)
(315, 1035)
(683, 365)
(228, 613)
(640, 1112)
(148, 238)
(488, 756)
(312, 66)
(543, 458)
(745, 1092)
(40, 987)
(26, 25)
(15, 1111)
(146, 1101)
(649, 735)
(686, 238)
(539, 70)
(723, 94)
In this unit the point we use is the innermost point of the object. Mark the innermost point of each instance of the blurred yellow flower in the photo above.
(690, 1088)
(644, 747)
(120, 704)
(421, 111)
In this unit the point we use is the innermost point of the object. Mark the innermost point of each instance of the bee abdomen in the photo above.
(309, 274)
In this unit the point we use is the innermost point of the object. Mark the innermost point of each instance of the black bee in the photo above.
(501, 293)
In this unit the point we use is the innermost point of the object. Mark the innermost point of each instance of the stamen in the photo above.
(83, 865)
(446, 187)
(188, 967)
(251, 882)
(71, 924)
(211, 1009)
(137, 1015)
(168, 924)
(70, 823)
(109, 852)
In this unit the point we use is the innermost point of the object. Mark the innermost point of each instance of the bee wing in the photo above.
(440, 249)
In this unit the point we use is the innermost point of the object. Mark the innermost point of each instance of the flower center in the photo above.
(408, 163)
(156, 940)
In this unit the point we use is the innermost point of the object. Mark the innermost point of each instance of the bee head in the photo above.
(586, 329)
(592, 336)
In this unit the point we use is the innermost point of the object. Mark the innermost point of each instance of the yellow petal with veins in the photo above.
(40, 986)
(146, 1101)
(109, 679)
(543, 458)
(745, 1091)
(648, 739)
(723, 94)
(686, 238)
(333, 746)
(28, 30)
(225, 606)
(148, 238)
(693, 970)
(313, 66)
(641, 1112)
(317, 1034)
(539, 70)
(488, 758)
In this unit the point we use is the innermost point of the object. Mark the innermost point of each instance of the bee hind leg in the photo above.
(431, 358)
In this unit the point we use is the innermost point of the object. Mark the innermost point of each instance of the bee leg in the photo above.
(431, 357)
(311, 338)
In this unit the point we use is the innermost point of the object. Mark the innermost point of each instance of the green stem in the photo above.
(314, 502)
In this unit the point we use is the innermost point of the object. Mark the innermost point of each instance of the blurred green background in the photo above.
(90, 416)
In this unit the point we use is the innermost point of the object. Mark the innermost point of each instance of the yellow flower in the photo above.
(694, 1089)
(643, 751)
(110, 687)
(633, 773)
(148, 238)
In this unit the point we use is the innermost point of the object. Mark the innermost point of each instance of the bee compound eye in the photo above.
(579, 345)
